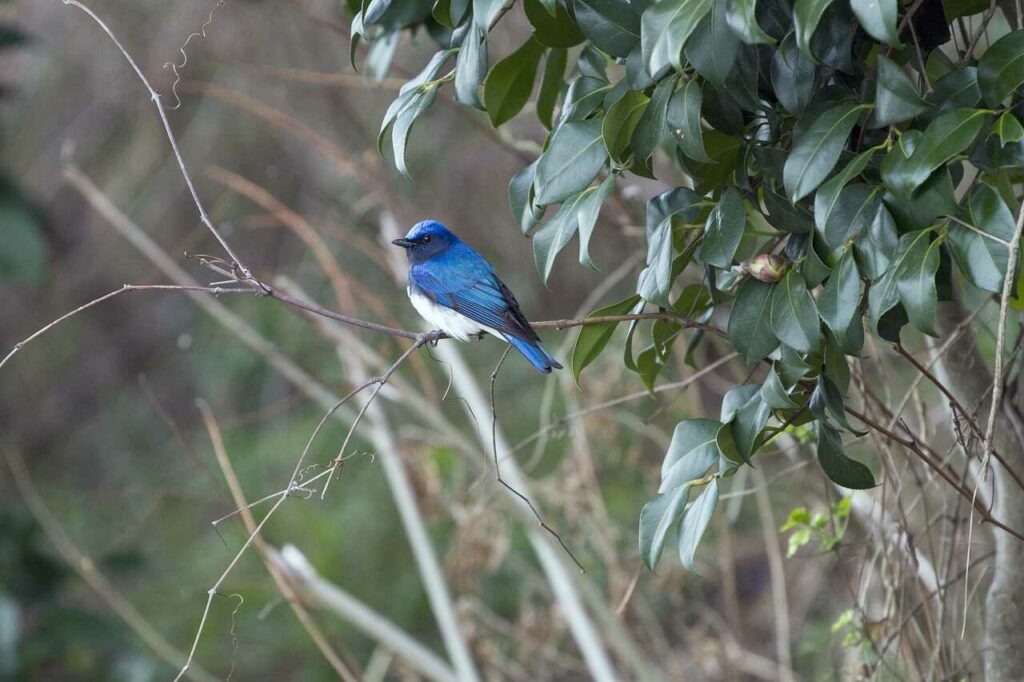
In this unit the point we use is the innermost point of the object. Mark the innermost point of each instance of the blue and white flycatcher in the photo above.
(455, 289)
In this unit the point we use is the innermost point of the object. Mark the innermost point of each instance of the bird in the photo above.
(456, 290)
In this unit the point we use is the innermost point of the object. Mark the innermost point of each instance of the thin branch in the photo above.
(282, 582)
(216, 291)
(244, 271)
(86, 568)
(497, 468)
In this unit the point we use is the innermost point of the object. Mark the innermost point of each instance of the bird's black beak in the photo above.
(404, 243)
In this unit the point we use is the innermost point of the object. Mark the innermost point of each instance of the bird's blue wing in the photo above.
(482, 298)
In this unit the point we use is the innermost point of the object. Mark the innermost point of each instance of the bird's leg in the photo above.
(431, 337)
(479, 336)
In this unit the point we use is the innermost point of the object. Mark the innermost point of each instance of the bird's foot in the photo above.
(431, 337)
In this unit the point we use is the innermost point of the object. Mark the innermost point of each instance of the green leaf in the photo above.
(896, 99)
(826, 403)
(747, 423)
(554, 235)
(794, 318)
(613, 26)
(574, 156)
(839, 303)
(840, 469)
(684, 121)
(828, 194)
(510, 82)
(620, 121)
(742, 18)
(713, 48)
(586, 214)
(656, 518)
(956, 90)
(551, 85)
(806, 15)
(877, 244)
(420, 101)
(593, 338)
(878, 17)
(815, 153)
(656, 278)
(954, 9)
(520, 198)
(916, 284)
(552, 30)
(980, 248)
(946, 136)
(1008, 128)
(750, 322)
(691, 452)
(652, 124)
(695, 522)
(664, 29)
(471, 67)
(774, 394)
(1001, 68)
(723, 230)
(792, 76)
(486, 11)
(852, 213)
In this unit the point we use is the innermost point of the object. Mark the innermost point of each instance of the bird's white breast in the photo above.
(452, 323)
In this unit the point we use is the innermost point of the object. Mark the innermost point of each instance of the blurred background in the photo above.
(111, 487)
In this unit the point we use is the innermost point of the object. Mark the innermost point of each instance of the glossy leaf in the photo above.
(471, 67)
(613, 26)
(593, 338)
(840, 469)
(774, 394)
(664, 29)
(724, 230)
(586, 214)
(620, 121)
(554, 235)
(877, 245)
(691, 452)
(520, 197)
(551, 85)
(750, 322)
(510, 82)
(896, 99)
(1008, 129)
(575, 154)
(839, 303)
(815, 153)
(794, 317)
(828, 194)
(1001, 68)
(792, 76)
(742, 18)
(713, 48)
(916, 283)
(850, 215)
(552, 30)
(806, 16)
(652, 124)
(684, 121)
(656, 518)
(878, 17)
(695, 523)
(944, 138)
(980, 248)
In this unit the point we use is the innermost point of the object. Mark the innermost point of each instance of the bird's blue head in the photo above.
(425, 240)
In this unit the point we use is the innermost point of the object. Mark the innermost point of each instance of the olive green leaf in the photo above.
(794, 317)
(840, 469)
(878, 17)
(723, 230)
(749, 322)
(665, 27)
(815, 153)
(1001, 68)
(593, 338)
(574, 156)
(896, 99)
(510, 82)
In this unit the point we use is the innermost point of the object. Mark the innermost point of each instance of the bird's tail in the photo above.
(535, 353)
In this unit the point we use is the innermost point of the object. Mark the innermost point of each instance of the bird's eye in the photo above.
(426, 240)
